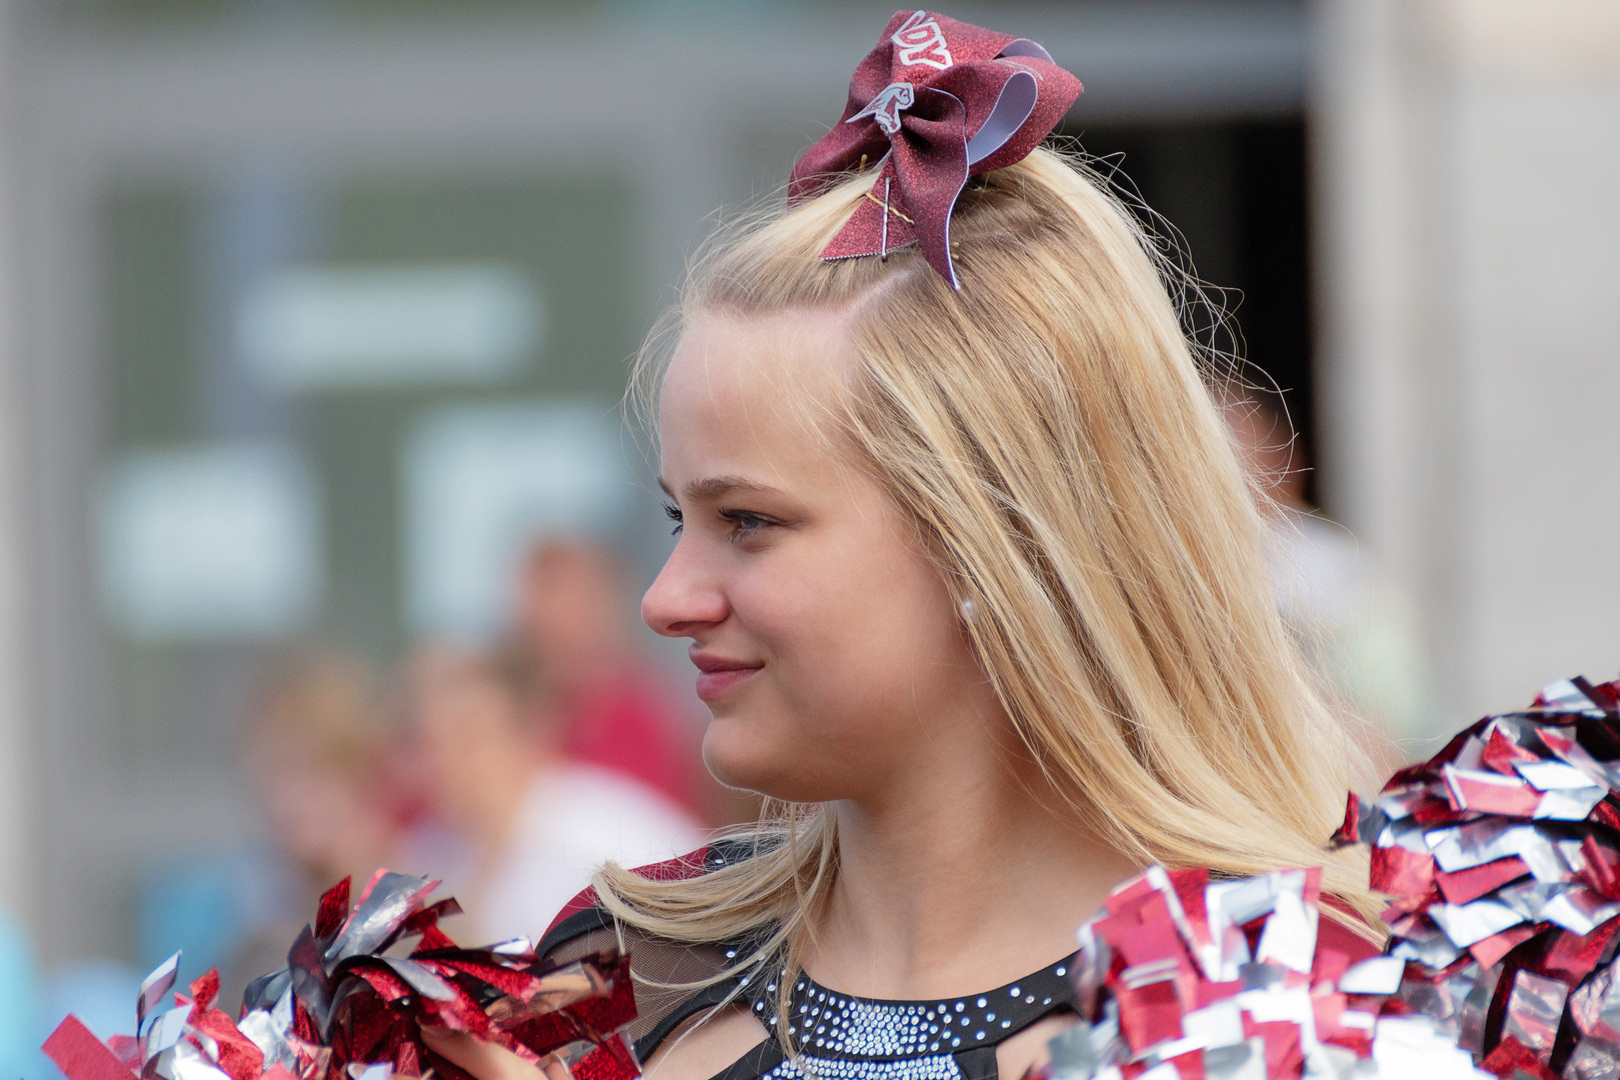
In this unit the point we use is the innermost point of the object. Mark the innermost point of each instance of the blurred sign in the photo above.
(484, 482)
(211, 542)
(326, 329)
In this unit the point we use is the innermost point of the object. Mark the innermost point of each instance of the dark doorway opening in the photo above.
(1236, 192)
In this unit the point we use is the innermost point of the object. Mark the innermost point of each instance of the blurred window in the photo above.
(308, 377)
(362, 327)
(218, 541)
(481, 483)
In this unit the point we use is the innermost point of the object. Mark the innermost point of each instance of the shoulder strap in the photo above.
(707, 998)
(584, 925)
(978, 1063)
(567, 924)
(756, 1063)
(573, 924)
(571, 921)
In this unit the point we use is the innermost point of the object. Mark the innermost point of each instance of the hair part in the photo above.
(1049, 433)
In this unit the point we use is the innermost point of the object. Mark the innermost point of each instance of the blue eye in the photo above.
(744, 523)
(673, 512)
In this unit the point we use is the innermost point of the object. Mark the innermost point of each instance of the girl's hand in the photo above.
(488, 1061)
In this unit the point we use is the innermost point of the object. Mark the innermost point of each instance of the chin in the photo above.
(730, 758)
(738, 757)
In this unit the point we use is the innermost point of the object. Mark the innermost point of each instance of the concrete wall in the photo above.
(16, 743)
(1467, 162)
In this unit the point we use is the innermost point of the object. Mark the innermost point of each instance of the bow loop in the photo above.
(936, 101)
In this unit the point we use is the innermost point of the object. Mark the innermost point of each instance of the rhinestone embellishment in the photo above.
(850, 1038)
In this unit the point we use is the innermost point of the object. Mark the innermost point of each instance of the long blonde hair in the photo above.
(1048, 432)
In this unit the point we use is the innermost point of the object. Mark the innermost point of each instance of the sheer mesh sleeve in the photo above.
(655, 963)
(664, 970)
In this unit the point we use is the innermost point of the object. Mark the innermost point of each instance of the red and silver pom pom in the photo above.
(1182, 977)
(1501, 857)
(342, 1010)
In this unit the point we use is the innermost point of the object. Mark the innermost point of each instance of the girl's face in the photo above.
(828, 649)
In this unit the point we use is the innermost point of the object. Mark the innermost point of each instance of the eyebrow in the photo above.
(715, 486)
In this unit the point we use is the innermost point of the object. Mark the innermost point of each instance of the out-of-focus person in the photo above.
(576, 619)
(536, 822)
(1356, 626)
(315, 754)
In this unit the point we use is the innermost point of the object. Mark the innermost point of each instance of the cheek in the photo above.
(856, 648)
(866, 625)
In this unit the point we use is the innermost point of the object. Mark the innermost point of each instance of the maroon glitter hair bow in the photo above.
(936, 101)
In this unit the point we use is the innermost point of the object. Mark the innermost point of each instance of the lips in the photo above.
(718, 675)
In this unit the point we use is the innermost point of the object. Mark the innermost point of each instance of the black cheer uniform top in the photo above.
(838, 1036)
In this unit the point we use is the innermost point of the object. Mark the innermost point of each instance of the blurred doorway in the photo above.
(1235, 190)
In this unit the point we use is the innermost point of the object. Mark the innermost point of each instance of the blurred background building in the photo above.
(315, 314)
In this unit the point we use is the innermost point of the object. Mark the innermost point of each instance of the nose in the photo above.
(684, 599)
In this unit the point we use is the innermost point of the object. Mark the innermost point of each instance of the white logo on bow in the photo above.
(921, 41)
(887, 106)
